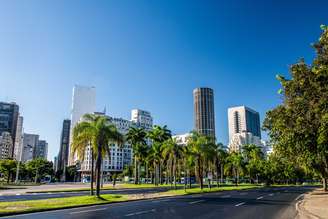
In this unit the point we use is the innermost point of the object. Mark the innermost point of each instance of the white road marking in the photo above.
(226, 196)
(85, 211)
(299, 197)
(195, 202)
(259, 197)
(18, 194)
(271, 194)
(164, 200)
(140, 212)
(239, 204)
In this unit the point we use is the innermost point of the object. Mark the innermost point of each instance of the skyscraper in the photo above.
(8, 121)
(244, 127)
(62, 158)
(83, 102)
(204, 117)
(41, 150)
(29, 144)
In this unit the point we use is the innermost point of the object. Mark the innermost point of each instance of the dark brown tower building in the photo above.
(204, 118)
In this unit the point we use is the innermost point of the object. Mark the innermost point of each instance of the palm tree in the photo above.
(172, 152)
(199, 146)
(158, 135)
(97, 132)
(136, 137)
(220, 158)
(235, 165)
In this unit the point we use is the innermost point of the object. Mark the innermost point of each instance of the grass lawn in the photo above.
(56, 203)
(108, 187)
(206, 190)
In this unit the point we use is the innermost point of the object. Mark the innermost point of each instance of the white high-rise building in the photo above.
(83, 102)
(119, 155)
(182, 139)
(244, 127)
(6, 145)
(19, 139)
(142, 118)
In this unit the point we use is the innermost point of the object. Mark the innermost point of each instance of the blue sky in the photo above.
(150, 55)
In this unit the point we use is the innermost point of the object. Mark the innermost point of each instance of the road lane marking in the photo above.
(226, 196)
(239, 204)
(271, 194)
(18, 194)
(140, 212)
(164, 200)
(259, 198)
(195, 202)
(85, 211)
(299, 197)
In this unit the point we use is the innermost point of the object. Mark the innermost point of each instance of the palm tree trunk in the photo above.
(92, 173)
(98, 167)
(221, 173)
(200, 174)
(135, 170)
(174, 175)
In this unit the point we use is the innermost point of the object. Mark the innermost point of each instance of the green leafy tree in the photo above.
(298, 126)
(99, 133)
(40, 168)
(137, 138)
(8, 167)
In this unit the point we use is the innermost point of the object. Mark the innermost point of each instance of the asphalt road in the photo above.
(258, 203)
(47, 195)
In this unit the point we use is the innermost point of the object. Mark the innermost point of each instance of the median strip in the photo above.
(29, 206)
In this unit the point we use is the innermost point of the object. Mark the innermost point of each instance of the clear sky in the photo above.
(150, 55)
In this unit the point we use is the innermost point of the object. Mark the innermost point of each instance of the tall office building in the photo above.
(62, 158)
(244, 127)
(83, 102)
(204, 117)
(30, 142)
(8, 121)
(40, 150)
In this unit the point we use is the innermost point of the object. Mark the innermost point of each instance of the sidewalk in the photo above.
(314, 205)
